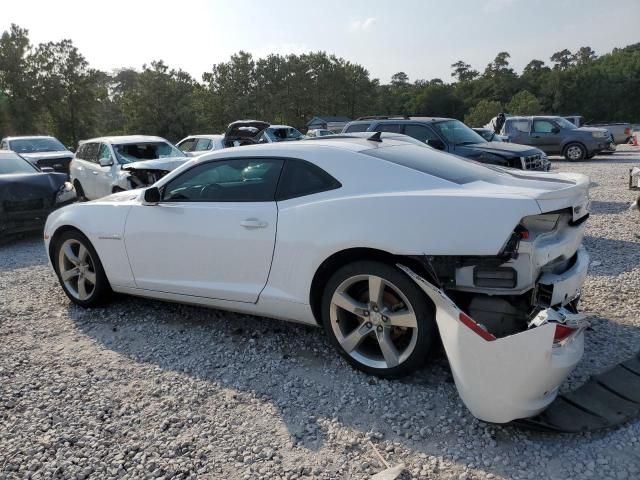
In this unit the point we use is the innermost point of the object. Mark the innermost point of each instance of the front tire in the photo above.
(79, 270)
(79, 191)
(574, 152)
(378, 319)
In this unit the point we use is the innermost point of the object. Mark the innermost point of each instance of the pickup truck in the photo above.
(621, 132)
(558, 136)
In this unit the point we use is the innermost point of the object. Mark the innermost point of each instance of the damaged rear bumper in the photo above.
(502, 379)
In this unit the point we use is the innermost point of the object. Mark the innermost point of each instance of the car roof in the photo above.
(413, 119)
(531, 117)
(205, 135)
(125, 139)
(280, 126)
(28, 137)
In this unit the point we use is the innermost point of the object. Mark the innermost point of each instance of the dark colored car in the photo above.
(41, 151)
(28, 194)
(453, 136)
(557, 136)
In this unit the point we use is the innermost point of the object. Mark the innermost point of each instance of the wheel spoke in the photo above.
(69, 274)
(404, 318)
(355, 338)
(82, 253)
(376, 289)
(68, 252)
(346, 302)
(389, 350)
(82, 288)
(90, 277)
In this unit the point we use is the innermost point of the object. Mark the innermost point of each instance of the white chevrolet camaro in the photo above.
(390, 246)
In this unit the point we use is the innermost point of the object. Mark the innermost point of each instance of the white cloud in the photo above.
(359, 25)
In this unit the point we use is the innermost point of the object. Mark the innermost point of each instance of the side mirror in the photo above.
(47, 169)
(436, 143)
(151, 196)
(71, 149)
(105, 162)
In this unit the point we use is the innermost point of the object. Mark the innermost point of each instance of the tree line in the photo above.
(51, 89)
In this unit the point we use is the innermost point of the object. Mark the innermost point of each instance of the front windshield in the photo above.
(564, 123)
(282, 134)
(136, 152)
(457, 132)
(12, 164)
(32, 145)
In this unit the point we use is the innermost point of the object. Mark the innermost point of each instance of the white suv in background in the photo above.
(105, 165)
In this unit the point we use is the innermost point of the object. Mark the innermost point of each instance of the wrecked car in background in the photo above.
(106, 165)
(251, 132)
(41, 151)
(386, 244)
(28, 194)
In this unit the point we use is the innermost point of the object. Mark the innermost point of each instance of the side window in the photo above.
(202, 144)
(388, 127)
(514, 127)
(300, 178)
(104, 152)
(420, 132)
(188, 145)
(542, 126)
(91, 152)
(233, 180)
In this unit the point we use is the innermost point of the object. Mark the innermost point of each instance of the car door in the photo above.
(212, 234)
(545, 135)
(107, 171)
(423, 134)
(518, 130)
(89, 170)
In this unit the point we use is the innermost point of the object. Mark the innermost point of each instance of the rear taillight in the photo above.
(470, 322)
(562, 333)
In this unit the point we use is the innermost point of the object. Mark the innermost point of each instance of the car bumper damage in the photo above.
(518, 376)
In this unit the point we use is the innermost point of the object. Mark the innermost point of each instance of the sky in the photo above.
(420, 37)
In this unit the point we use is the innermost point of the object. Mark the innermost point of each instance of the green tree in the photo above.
(463, 72)
(562, 59)
(524, 103)
(482, 113)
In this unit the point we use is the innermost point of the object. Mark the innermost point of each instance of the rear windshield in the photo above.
(357, 127)
(447, 167)
(33, 145)
(135, 152)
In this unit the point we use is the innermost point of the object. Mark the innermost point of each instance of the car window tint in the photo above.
(104, 151)
(187, 145)
(542, 126)
(202, 144)
(420, 132)
(518, 126)
(357, 127)
(388, 127)
(91, 152)
(237, 180)
(301, 178)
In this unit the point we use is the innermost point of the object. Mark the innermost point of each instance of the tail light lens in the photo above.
(562, 333)
(470, 322)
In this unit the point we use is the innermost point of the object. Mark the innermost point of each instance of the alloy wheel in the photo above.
(574, 152)
(373, 321)
(77, 269)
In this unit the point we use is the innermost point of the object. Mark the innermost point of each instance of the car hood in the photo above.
(165, 164)
(46, 155)
(500, 148)
(30, 186)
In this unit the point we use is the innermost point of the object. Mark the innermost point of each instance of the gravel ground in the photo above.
(145, 389)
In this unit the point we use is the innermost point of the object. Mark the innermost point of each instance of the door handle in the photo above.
(253, 223)
(95, 173)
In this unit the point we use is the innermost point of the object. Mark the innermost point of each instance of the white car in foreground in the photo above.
(389, 245)
(105, 165)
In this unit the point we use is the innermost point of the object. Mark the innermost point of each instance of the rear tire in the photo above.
(574, 152)
(79, 191)
(378, 319)
(79, 270)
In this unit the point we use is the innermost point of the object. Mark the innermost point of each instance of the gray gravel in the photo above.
(144, 389)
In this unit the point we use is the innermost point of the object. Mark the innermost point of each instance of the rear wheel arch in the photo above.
(344, 257)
